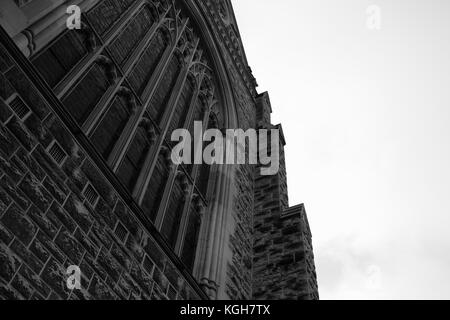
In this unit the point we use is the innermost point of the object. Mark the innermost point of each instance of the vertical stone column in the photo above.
(212, 240)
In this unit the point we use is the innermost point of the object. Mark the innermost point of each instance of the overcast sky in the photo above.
(366, 114)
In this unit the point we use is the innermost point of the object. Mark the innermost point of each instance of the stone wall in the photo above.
(283, 261)
(237, 280)
(49, 222)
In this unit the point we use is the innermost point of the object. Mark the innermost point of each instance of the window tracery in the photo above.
(137, 72)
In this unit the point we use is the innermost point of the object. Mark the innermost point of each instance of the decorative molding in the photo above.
(228, 32)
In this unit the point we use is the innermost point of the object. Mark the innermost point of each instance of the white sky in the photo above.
(366, 116)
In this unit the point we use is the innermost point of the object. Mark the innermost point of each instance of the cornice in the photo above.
(227, 30)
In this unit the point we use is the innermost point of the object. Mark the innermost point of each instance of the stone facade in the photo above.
(283, 260)
(85, 122)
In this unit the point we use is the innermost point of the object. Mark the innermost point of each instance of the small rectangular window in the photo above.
(91, 195)
(148, 265)
(57, 153)
(121, 232)
(19, 107)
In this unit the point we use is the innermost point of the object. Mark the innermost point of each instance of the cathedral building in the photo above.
(88, 104)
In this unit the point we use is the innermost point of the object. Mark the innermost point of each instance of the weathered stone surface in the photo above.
(5, 236)
(282, 239)
(36, 192)
(23, 156)
(20, 225)
(8, 293)
(56, 192)
(86, 242)
(8, 143)
(58, 216)
(35, 281)
(21, 133)
(6, 91)
(79, 212)
(14, 171)
(14, 193)
(20, 82)
(50, 246)
(38, 130)
(48, 165)
(5, 200)
(38, 249)
(69, 246)
(53, 275)
(9, 263)
(100, 290)
(26, 256)
(109, 264)
(105, 214)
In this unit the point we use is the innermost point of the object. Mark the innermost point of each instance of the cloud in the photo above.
(349, 267)
(347, 270)
(366, 119)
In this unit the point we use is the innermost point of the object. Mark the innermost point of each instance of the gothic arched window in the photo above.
(147, 54)
(136, 154)
(55, 62)
(143, 71)
(164, 90)
(87, 93)
(182, 107)
(205, 169)
(189, 246)
(174, 213)
(113, 123)
(106, 13)
(155, 191)
(130, 37)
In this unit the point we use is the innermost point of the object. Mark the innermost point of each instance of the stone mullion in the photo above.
(186, 209)
(223, 222)
(207, 221)
(203, 217)
(132, 60)
(185, 219)
(196, 168)
(211, 239)
(194, 99)
(68, 82)
(151, 159)
(150, 88)
(127, 136)
(150, 162)
(173, 176)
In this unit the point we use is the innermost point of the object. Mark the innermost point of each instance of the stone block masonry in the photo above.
(283, 260)
(48, 221)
